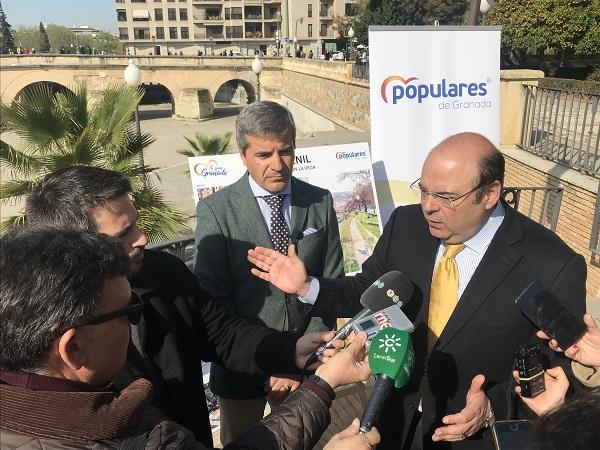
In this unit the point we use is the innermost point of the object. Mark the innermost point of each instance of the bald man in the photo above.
(464, 363)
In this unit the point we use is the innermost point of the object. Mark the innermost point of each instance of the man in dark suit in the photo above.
(463, 363)
(270, 208)
(181, 324)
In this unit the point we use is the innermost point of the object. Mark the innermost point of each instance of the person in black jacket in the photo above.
(181, 325)
(66, 308)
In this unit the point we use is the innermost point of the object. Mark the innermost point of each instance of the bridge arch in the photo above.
(17, 84)
(157, 94)
(52, 85)
(223, 86)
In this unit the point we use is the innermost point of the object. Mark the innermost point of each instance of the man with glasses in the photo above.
(469, 256)
(181, 325)
(66, 309)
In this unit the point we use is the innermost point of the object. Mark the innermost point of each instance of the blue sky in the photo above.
(97, 13)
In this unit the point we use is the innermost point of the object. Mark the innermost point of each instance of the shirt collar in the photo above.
(482, 239)
(36, 382)
(259, 191)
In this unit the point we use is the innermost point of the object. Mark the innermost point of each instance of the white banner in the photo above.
(344, 170)
(427, 83)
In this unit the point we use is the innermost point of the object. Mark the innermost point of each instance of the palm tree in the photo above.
(205, 145)
(60, 129)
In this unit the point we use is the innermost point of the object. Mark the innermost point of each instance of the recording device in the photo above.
(528, 362)
(391, 316)
(550, 315)
(392, 360)
(513, 434)
(391, 289)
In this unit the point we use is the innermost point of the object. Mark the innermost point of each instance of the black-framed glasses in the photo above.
(441, 199)
(133, 312)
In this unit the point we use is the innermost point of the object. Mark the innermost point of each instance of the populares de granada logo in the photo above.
(408, 89)
(350, 155)
(210, 169)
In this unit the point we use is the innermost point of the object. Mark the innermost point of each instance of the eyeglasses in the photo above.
(133, 312)
(441, 199)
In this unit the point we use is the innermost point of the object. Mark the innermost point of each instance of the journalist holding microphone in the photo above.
(468, 255)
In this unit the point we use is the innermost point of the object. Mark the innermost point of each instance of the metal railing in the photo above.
(546, 213)
(182, 247)
(595, 237)
(360, 71)
(562, 126)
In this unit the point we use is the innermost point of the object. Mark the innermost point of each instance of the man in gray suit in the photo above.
(270, 208)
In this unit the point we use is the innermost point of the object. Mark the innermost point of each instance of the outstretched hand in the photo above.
(468, 421)
(586, 351)
(284, 272)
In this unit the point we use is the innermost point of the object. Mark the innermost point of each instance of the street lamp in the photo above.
(257, 67)
(351, 36)
(484, 7)
(301, 20)
(133, 77)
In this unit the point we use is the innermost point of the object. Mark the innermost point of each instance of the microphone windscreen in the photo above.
(390, 289)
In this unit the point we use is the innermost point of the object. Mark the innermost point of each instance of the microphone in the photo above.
(392, 288)
(391, 358)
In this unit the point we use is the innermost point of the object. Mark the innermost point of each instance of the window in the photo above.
(310, 10)
(123, 34)
(172, 12)
(310, 30)
(158, 14)
(141, 33)
(183, 14)
(160, 33)
(138, 1)
(185, 33)
(350, 9)
(172, 32)
(120, 1)
(121, 15)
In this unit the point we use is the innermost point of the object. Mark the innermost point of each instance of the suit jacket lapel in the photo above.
(254, 223)
(300, 206)
(497, 262)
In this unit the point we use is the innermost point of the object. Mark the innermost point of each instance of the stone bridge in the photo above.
(193, 83)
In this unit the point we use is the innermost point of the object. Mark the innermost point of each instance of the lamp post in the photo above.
(351, 36)
(257, 67)
(484, 7)
(133, 77)
(300, 20)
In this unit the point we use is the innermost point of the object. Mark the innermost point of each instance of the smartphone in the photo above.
(550, 315)
(513, 434)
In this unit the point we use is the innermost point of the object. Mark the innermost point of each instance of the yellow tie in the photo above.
(444, 293)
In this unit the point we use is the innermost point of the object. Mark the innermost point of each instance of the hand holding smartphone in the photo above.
(550, 315)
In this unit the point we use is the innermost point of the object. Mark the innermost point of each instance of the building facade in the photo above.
(242, 27)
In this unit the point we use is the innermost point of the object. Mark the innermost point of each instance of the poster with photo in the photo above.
(344, 170)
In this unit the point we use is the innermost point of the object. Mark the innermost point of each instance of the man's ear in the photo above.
(70, 350)
(492, 195)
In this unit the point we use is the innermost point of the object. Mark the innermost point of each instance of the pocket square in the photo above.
(309, 231)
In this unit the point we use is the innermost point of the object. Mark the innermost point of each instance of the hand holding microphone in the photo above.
(392, 289)
(391, 359)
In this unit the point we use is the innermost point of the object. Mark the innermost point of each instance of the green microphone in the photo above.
(392, 360)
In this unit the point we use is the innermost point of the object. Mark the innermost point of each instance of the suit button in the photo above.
(411, 405)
